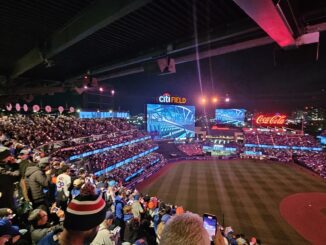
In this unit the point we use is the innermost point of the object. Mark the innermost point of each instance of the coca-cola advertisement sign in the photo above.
(265, 120)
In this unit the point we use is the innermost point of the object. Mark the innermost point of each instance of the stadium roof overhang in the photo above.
(109, 39)
(92, 19)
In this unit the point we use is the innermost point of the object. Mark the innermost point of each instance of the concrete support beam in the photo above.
(202, 55)
(270, 18)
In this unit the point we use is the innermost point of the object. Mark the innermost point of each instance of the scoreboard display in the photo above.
(171, 121)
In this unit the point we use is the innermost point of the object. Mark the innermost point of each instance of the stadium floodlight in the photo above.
(227, 99)
(203, 100)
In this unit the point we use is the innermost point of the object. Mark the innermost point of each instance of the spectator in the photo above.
(9, 174)
(5, 212)
(76, 189)
(83, 216)
(131, 225)
(63, 184)
(40, 226)
(105, 236)
(137, 209)
(146, 232)
(9, 234)
(165, 218)
(188, 229)
(118, 211)
(241, 240)
(38, 177)
(25, 157)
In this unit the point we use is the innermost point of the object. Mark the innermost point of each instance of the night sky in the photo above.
(264, 78)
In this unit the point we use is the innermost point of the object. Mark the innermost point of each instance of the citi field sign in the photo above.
(168, 99)
(276, 119)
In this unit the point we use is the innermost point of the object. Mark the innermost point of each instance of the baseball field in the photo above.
(247, 195)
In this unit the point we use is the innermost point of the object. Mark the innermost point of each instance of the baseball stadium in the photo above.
(163, 122)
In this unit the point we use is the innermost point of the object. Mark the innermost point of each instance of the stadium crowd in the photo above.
(280, 139)
(191, 149)
(141, 166)
(37, 129)
(58, 216)
(314, 160)
(43, 196)
(77, 149)
(44, 199)
(108, 158)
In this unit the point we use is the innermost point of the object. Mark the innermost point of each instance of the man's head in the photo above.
(38, 217)
(44, 164)
(186, 228)
(109, 217)
(65, 169)
(24, 154)
(82, 173)
(5, 155)
(120, 193)
(85, 213)
(78, 183)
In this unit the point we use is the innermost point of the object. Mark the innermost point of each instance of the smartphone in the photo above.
(210, 224)
(116, 230)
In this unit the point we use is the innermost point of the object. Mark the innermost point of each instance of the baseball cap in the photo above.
(7, 229)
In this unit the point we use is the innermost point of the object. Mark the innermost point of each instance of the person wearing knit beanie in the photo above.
(83, 216)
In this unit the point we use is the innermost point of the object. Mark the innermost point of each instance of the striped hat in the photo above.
(84, 213)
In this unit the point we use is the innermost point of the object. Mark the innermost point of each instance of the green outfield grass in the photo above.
(246, 193)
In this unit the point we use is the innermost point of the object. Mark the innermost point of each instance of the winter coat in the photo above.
(7, 188)
(131, 230)
(38, 233)
(36, 181)
(137, 209)
(44, 234)
(118, 208)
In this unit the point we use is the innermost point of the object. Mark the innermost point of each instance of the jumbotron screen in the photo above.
(171, 121)
(230, 116)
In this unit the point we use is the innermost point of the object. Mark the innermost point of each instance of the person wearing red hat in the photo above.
(83, 216)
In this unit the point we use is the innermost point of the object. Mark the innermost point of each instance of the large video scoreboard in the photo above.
(171, 121)
(230, 116)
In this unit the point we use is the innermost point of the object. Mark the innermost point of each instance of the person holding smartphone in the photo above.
(188, 228)
(210, 224)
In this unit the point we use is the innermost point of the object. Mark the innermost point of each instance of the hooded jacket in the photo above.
(36, 181)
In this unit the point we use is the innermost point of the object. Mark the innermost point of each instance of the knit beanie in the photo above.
(84, 213)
